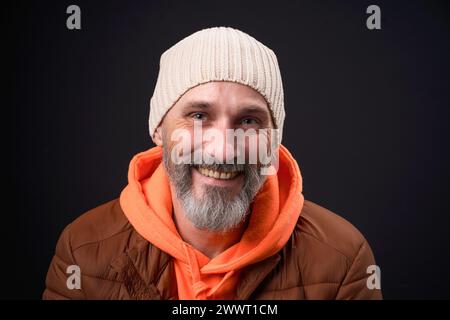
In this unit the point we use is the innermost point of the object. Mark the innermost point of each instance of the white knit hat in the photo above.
(217, 54)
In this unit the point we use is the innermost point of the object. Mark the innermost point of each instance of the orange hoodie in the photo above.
(147, 203)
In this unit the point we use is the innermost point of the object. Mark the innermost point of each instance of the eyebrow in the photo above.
(254, 108)
(246, 108)
(197, 105)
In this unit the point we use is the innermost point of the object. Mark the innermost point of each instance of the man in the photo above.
(199, 219)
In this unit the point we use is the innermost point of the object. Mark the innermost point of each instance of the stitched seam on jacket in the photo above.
(101, 240)
(348, 270)
(353, 261)
(163, 268)
(330, 246)
(100, 278)
(353, 281)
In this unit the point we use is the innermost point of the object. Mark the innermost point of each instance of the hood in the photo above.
(147, 203)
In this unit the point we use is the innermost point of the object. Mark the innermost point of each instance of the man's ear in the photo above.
(157, 137)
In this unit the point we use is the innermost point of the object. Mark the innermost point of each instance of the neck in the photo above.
(209, 243)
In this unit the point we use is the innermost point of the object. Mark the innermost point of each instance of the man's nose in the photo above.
(218, 146)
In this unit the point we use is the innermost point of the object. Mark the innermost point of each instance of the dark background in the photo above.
(367, 119)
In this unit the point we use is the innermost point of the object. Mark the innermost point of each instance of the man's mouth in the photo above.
(217, 174)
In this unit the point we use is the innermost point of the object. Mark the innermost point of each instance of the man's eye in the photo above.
(198, 116)
(248, 121)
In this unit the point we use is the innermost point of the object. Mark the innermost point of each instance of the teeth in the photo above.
(224, 176)
(217, 174)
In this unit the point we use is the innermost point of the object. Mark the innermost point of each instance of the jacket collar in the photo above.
(147, 273)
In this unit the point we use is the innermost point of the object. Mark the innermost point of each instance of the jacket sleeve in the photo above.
(56, 284)
(355, 284)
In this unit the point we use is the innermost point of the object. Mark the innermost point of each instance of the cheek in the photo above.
(254, 147)
(180, 142)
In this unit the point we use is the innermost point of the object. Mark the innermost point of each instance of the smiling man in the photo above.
(215, 210)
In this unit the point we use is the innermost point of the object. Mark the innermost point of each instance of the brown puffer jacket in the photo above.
(325, 258)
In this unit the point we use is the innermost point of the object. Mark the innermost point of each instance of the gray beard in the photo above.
(218, 210)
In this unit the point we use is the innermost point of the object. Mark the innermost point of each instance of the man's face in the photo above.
(215, 196)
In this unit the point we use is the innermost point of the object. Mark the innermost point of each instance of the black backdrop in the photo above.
(367, 119)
